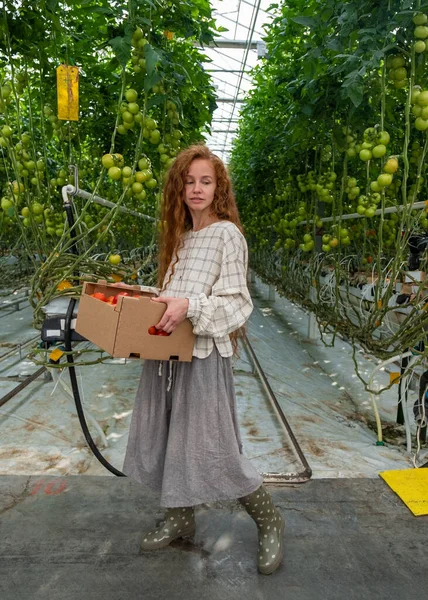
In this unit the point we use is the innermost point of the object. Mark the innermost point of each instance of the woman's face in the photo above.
(199, 186)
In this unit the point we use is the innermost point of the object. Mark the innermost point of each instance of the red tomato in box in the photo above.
(115, 298)
(152, 330)
(99, 296)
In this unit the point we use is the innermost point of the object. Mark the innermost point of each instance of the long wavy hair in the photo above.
(176, 219)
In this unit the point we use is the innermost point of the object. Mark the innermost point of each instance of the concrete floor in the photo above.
(74, 538)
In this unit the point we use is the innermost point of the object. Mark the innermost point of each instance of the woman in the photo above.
(184, 440)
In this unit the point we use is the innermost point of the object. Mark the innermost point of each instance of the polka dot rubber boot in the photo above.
(270, 524)
(178, 523)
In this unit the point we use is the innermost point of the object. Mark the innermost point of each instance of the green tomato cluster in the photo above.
(53, 119)
(420, 32)
(374, 144)
(339, 236)
(138, 43)
(352, 189)
(133, 181)
(367, 205)
(397, 70)
(352, 146)
(419, 100)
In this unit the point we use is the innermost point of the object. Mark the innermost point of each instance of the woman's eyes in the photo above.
(204, 182)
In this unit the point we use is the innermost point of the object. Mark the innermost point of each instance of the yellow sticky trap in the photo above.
(394, 377)
(411, 485)
(379, 304)
(67, 79)
(56, 354)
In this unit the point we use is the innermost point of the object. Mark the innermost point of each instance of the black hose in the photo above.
(76, 394)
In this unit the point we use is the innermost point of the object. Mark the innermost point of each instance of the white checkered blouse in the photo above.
(212, 273)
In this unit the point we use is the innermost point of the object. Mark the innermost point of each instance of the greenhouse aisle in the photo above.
(64, 535)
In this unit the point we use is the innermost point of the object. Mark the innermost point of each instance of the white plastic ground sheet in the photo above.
(316, 387)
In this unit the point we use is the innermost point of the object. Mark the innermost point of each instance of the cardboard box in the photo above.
(122, 329)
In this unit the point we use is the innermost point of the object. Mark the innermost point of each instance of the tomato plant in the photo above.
(331, 155)
(142, 97)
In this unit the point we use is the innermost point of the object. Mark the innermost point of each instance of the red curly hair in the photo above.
(175, 217)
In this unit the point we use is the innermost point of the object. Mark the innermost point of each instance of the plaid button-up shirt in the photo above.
(212, 273)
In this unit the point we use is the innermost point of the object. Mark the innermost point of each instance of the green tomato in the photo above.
(137, 187)
(133, 108)
(422, 98)
(379, 151)
(150, 123)
(398, 61)
(115, 173)
(419, 46)
(420, 19)
(421, 124)
(6, 204)
(6, 131)
(384, 179)
(143, 163)
(421, 32)
(36, 208)
(155, 136)
(151, 183)
(365, 155)
(383, 138)
(131, 95)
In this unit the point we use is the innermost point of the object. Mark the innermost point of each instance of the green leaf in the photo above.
(156, 100)
(122, 49)
(355, 92)
(152, 58)
(306, 21)
(151, 80)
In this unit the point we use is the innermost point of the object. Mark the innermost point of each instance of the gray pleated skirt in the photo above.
(184, 441)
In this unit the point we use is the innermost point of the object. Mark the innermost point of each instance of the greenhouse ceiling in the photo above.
(230, 62)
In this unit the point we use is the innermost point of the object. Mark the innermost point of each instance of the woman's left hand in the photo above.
(176, 311)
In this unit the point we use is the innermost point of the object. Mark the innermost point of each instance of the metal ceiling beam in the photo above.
(229, 100)
(223, 43)
(226, 71)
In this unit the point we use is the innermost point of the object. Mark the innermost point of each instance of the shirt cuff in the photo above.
(194, 307)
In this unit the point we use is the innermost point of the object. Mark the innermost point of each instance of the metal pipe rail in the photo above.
(71, 190)
(386, 211)
(21, 386)
(18, 348)
(15, 302)
(306, 473)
